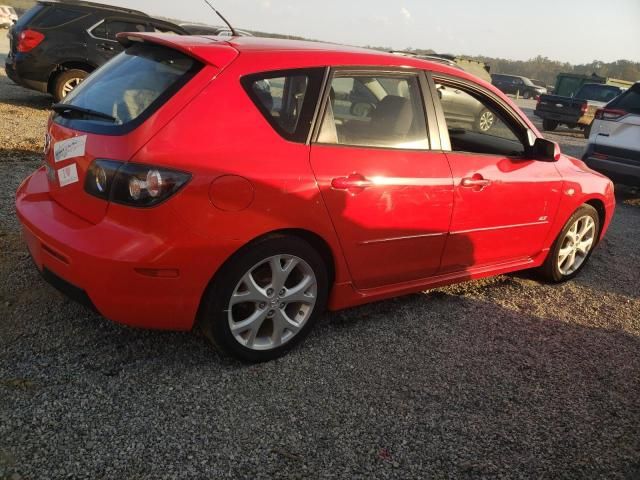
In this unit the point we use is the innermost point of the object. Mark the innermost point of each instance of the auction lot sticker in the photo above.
(68, 175)
(69, 148)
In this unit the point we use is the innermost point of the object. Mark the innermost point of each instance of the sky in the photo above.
(575, 31)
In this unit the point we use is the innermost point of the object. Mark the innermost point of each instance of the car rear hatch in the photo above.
(117, 110)
(617, 128)
(557, 105)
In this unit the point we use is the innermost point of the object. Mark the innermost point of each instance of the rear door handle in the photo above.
(354, 183)
(477, 181)
(104, 46)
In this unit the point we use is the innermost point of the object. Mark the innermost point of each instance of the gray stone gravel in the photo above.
(499, 378)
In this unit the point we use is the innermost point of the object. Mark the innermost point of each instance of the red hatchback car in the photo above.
(244, 185)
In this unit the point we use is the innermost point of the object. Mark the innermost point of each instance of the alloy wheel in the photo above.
(486, 120)
(576, 245)
(272, 302)
(70, 85)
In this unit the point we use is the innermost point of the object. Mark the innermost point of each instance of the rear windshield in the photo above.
(629, 101)
(128, 88)
(598, 93)
(28, 16)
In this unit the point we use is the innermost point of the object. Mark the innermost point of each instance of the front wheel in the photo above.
(265, 299)
(573, 246)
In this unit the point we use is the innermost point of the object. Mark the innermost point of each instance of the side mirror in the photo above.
(546, 150)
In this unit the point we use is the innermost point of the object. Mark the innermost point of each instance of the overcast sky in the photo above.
(577, 31)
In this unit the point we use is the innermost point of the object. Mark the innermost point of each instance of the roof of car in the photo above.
(91, 5)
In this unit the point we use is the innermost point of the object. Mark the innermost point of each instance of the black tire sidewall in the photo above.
(550, 267)
(63, 77)
(213, 318)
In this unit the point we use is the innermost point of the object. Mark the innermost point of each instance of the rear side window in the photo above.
(110, 28)
(375, 111)
(128, 89)
(629, 101)
(287, 99)
(56, 16)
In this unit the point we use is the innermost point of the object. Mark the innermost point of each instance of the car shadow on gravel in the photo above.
(410, 387)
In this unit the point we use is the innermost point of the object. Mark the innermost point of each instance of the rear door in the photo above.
(504, 201)
(102, 44)
(382, 176)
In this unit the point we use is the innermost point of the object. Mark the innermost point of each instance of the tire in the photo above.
(485, 121)
(549, 125)
(587, 131)
(278, 325)
(66, 81)
(554, 269)
(526, 95)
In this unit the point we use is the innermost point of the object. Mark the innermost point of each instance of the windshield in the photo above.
(598, 93)
(131, 86)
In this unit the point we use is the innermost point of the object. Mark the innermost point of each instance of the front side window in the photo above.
(375, 111)
(475, 124)
(128, 88)
(287, 99)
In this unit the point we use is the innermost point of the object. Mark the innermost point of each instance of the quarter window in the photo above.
(375, 111)
(475, 124)
(287, 99)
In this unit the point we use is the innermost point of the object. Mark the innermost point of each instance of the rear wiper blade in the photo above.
(65, 109)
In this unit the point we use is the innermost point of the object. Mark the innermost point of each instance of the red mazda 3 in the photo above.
(244, 185)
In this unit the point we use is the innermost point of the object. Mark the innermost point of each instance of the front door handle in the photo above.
(104, 46)
(354, 183)
(477, 182)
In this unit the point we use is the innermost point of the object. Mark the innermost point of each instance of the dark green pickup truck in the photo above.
(577, 111)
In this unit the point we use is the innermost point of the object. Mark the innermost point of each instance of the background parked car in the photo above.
(578, 111)
(614, 143)
(55, 45)
(8, 16)
(516, 84)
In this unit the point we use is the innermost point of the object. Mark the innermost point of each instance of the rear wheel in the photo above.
(573, 246)
(549, 125)
(266, 299)
(587, 131)
(485, 121)
(67, 81)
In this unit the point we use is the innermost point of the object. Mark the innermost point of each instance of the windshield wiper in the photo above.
(66, 109)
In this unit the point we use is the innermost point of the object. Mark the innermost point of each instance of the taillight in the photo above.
(609, 114)
(584, 107)
(28, 40)
(133, 184)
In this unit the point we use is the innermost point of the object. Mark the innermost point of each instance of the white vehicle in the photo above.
(8, 16)
(614, 142)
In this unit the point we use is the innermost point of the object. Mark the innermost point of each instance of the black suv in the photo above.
(56, 44)
(516, 84)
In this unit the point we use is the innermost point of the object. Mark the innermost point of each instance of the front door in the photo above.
(388, 195)
(504, 201)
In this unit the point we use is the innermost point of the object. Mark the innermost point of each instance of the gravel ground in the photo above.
(499, 378)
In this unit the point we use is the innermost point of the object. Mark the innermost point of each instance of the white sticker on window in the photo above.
(69, 148)
(68, 175)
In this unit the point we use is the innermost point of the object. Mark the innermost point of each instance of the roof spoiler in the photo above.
(207, 50)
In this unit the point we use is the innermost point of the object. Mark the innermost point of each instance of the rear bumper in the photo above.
(624, 169)
(110, 266)
(16, 73)
(563, 118)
